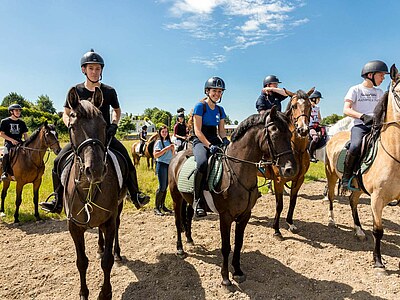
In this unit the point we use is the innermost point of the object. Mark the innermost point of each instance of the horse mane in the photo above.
(300, 95)
(87, 110)
(255, 120)
(33, 136)
(153, 138)
(380, 109)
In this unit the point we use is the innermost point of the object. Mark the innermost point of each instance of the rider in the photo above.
(11, 130)
(143, 139)
(209, 129)
(271, 95)
(359, 103)
(92, 65)
(180, 130)
(315, 120)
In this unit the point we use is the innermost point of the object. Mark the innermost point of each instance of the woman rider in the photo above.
(316, 131)
(209, 129)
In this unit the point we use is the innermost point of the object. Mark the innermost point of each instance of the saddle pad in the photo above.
(215, 172)
(340, 161)
(369, 157)
(137, 148)
(186, 176)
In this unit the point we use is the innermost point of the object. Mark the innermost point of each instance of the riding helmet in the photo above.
(270, 79)
(92, 57)
(214, 83)
(316, 94)
(373, 67)
(180, 110)
(14, 106)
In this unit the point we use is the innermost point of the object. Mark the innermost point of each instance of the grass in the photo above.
(148, 184)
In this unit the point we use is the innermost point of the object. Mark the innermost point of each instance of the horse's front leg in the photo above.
(296, 184)
(36, 186)
(189, 219)
(100, 244)
(179, 211)
(82, 261)
(225, 228)
(377, 231)
(239, 276)
(107, 260)
(278, 209)
(18, 200)
(117, 248)
(358, 231)
(6, 185)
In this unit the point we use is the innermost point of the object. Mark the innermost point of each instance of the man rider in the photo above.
(271, 95)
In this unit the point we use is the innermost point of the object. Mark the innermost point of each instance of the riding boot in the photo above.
(198, 203)
(137, 198)
(158, 205)
(349, 164)
(163, 207)
(5, 164)
(311, 150)
(56, 205)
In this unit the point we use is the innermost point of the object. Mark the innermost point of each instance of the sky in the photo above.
(160, 53)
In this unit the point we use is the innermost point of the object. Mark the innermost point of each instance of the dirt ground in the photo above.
(320, 262)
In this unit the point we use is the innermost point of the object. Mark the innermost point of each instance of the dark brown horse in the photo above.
(298, 111)
(256, 137)
(27, 164)
(148, 151)
(92, 194)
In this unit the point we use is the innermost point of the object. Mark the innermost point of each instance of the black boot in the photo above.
(163, 207)
(157, 206)
(349, 164)
(56, 205)
(137, 198)
(5, 163)
(198, 203)
(311, 150)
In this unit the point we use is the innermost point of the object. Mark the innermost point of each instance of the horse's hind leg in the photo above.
(36, 186)
(188, 227)
(278, 210)
(18, 201)
(331, 178)
(225, 229)
(358, 231)
(239, 276)
(107, 261)
(292, 204)
(179, 215)
(82, 261)
(6, 185)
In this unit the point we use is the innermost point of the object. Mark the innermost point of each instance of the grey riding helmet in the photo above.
(14, 106)
(270, 79)
(214, 83)
(316, 94)
(374, 66)
(92, 57)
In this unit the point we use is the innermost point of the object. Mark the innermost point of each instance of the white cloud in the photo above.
(235, 24)
(210, 62)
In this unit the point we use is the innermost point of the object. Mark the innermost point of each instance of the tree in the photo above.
(158, 116)
(332, 119)
(16, 98)
(125, 124)
(227, 120)
(45, 104)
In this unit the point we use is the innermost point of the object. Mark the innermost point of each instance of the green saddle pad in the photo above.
(366, 162)
(340, 161)
(186, 175)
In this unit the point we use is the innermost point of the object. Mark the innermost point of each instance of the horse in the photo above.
(256, 137)
(148, 151)
(298, 111)
(380, 182)
(27, 165)
(93, 194)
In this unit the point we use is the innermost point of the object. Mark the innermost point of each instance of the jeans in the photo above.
(162, 175)
(357, 134)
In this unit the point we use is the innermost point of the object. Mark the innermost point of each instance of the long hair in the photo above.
(167, 138)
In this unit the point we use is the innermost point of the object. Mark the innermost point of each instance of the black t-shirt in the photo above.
(13, 128)
(110, 98)
(266, 101)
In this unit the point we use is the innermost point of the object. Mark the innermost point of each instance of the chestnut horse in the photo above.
(93, 194)
(298, 111)
(148, 151)
(27, 164)
(381, 180)
(256, 137)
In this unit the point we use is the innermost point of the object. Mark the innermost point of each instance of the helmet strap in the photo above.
(215, 102)
(101, 77)
(373, 78)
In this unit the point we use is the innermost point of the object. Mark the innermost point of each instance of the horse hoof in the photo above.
(380, 272)
(226, 283)
(331, 224)
(361, 237)
(83, 298)
(190, 243)
(2, 214)
(279, 237)
(181, 254)
(99, 255)
(293, 229)
(239, 278)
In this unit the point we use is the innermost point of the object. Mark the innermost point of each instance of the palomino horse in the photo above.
(258, 136)
(92, 194)
(382, 178)
(298, 111)
(148, 151)
(27, 164)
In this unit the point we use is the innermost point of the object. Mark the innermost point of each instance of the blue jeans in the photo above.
(162, 174)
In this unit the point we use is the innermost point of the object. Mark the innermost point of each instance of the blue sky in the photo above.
(160, 53)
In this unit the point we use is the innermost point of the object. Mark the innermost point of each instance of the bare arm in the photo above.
(275, 90)
(349, 111)
(157, 152)
(6, 137)
(221, 129)
(116, 115)
(65, 116)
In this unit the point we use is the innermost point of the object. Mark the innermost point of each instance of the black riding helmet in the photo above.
(316, 94)
(270, 79)
(373, 67)
(14, 106)
(92, 57)
(214, 83)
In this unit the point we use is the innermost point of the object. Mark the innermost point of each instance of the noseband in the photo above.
(275, 155)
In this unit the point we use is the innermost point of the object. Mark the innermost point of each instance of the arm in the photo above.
(198, 122)
(6, 137)
(65, 116)
(275, 90)
(319, 116)
(116, 115)
(349, 111)
(221, 129)
(160, 152)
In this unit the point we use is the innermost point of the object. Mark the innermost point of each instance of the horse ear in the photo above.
(45, 123)
(273, 112)
(97, 97)
(289, 93)
(311, 91)
(73, 98)
(393, 72)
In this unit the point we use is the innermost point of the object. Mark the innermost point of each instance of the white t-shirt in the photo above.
(314, 118)
(364, 99)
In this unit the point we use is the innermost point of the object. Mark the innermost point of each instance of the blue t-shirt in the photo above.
(167, 156)
(210, 117)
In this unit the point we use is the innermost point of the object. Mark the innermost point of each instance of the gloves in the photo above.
(214, 149)
(226, 141)
(367, 119)
(112, 130)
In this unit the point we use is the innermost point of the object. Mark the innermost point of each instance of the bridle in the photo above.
(296, 119)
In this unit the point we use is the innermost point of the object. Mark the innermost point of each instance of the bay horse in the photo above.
(298, 111)
(92, 194)
(256, 137)
(27, 165)
(148, 151)
(382, 178)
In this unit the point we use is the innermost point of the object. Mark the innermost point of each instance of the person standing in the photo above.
(163, 152)
(359, 103)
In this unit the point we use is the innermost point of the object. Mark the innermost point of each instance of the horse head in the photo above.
(278, 146)
(299, 111)
(87, 131)
(50, 137)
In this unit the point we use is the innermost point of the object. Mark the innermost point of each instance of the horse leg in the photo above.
(188, 228)
(292, 204)
(36, 186)
(6, 185)
(238, 275)
(18, 200)
(82, 261)
(107, 260)
(225, 230)
(358, 231)
(117, 248)
(330, 191)
(278, 210)
(100, 245)
(377, 231)
(179, 217)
